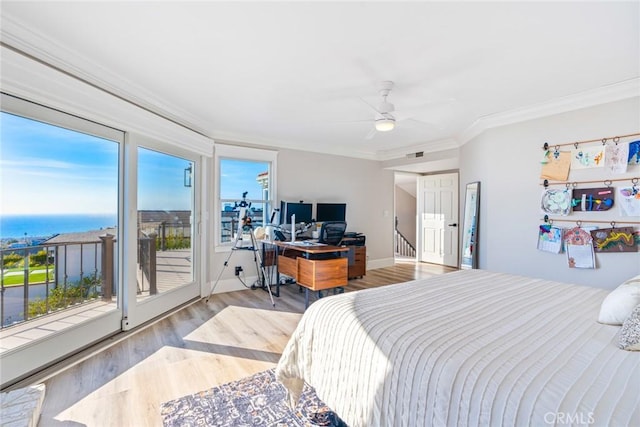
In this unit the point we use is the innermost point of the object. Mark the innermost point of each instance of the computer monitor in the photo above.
(331, 212)
(302, 211)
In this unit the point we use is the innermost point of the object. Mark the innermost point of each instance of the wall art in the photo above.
(556, 202)
(616, 158)
(587, 157)
(592, 199)
(619, 239)
(579, 248)
(629, 200)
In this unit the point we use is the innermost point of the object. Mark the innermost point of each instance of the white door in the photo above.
(438, 219)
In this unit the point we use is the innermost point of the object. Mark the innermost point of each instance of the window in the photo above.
(246, 179)
(72, 255)
(165, 222)
(59, 219)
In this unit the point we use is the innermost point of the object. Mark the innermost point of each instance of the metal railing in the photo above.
(230, 222)
(42, 279)
(147, 261)
(53, 277)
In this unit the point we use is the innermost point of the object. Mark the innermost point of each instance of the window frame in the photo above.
(22, 361)
(224, 152)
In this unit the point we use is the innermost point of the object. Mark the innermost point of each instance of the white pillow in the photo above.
(629, 337)
(619, 304)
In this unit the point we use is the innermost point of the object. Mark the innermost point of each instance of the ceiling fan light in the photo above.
(385, 125)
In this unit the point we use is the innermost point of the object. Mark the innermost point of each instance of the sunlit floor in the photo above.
(200, 346)
(173, 269)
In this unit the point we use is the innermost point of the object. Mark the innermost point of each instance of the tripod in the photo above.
(245, 226)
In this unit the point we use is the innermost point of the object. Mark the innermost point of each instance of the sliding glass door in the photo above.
(164, 232)
(164, 222)
(99, 233)
(60, 234)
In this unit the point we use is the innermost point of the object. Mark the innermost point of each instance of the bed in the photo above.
(463, 349)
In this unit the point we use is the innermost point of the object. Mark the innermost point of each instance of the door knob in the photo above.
(453, 225)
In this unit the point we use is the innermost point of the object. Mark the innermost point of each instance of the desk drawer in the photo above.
(287, 266)
(359, 266)
(269, 255)
(322, 274)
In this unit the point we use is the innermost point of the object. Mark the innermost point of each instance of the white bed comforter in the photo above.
(470, 348)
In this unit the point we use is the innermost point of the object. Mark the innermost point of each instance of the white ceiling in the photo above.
(295, 74)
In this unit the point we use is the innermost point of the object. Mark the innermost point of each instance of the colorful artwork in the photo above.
(634, 153)
(578, 236)
(579, 248)
(556, 202)
(556, 165)
(629, 201)
(592, 199)
(550, 239)
(620, 239)
(587, 157)
(616, 158)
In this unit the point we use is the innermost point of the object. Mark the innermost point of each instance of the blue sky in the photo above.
(238, 176)
(46, 169)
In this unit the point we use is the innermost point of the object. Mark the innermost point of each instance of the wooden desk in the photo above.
(313, 266)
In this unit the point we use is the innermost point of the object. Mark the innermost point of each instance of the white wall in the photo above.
(506, 161)
(362, 184)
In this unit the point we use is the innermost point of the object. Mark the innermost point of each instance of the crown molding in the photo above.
(25, 40)
(426, 147)
(254, 141)
(589, 98)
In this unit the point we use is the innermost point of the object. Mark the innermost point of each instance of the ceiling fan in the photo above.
(386, 116)
(384, 121)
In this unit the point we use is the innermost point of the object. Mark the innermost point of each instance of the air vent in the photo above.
(417, 154)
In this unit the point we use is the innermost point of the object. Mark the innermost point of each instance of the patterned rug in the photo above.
(258, 400)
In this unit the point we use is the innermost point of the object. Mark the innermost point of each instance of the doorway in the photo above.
(437, 219)
(405, 205)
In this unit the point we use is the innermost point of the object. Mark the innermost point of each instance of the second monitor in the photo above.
(330, 212)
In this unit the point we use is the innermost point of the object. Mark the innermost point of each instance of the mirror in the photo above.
(469, 251)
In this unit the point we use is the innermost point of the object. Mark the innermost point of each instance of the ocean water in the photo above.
(30, 226)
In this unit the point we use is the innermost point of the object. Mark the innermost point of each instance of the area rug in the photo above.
(258, 400)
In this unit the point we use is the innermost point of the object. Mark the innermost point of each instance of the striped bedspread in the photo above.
(469, 348)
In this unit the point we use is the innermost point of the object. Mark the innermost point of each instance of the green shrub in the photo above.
(12, 260)
(173, 241)
(61, 297)
(39, 258)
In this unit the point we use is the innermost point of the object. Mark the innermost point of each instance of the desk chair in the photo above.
(332, 232)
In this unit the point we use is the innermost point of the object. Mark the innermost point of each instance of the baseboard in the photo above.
(380, 263)
(230, 285)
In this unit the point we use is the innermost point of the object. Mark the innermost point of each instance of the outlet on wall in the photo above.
(238, 270)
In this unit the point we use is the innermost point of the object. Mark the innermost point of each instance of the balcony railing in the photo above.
(230, 222)
(41, 279)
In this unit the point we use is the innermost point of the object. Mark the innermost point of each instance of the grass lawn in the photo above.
(15, 276)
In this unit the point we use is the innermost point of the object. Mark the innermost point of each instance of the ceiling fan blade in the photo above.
(371, 133)
(369, 105)
(420, 123)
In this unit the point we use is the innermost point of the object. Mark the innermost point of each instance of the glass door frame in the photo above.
(137, 312)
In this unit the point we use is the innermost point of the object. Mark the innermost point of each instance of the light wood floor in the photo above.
(203, 345)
